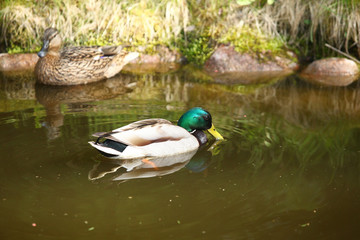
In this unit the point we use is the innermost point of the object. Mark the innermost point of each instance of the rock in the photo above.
(163, 60)
(162, 55)
(332, 67)
(331, 72)
(15, 62)
(228, 66)
(226, 59)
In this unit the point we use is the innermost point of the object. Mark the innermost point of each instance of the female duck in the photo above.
(77, 65)
(157, 137)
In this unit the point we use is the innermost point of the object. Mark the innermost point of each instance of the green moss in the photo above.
(15, 49)
(196, 48)
(246, 39)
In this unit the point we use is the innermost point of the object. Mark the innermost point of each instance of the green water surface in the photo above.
(288, 169)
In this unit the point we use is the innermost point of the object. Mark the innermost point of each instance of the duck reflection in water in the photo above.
(126, 169)
(76, 97)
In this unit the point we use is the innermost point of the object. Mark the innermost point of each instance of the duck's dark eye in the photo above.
(206, 117)
(52, 36)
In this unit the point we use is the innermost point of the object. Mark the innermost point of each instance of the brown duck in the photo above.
(78, 65)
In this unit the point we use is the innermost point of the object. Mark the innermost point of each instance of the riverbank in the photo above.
(193, 28)
(223, 38)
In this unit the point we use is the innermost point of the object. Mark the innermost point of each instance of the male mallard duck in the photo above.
(157, 137)
(77, 65)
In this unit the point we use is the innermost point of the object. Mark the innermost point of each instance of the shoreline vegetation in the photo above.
(193, 27)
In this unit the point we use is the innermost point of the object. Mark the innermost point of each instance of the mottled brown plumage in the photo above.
(78, 65)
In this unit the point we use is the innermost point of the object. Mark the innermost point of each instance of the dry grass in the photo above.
(95, 22)
(306, 25)
(311, 23)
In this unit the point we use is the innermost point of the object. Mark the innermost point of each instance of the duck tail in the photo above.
(107, 151)
(119, 62)
(130, 56)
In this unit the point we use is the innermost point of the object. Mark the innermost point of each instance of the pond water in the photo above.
(288, 169)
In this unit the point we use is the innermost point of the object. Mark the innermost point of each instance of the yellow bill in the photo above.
(215, 133)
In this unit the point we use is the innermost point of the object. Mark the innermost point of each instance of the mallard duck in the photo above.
(157, 137)
(78, 65)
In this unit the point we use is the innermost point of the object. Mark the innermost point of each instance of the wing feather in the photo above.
(94, 52)
(81, 53)
(146, 132)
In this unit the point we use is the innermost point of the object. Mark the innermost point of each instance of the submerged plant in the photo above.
(267, 135)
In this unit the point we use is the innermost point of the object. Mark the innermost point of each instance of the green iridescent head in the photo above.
(198, 119)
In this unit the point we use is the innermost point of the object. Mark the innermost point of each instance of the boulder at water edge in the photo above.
(331, 72)
(15, 62)
(225, 61)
